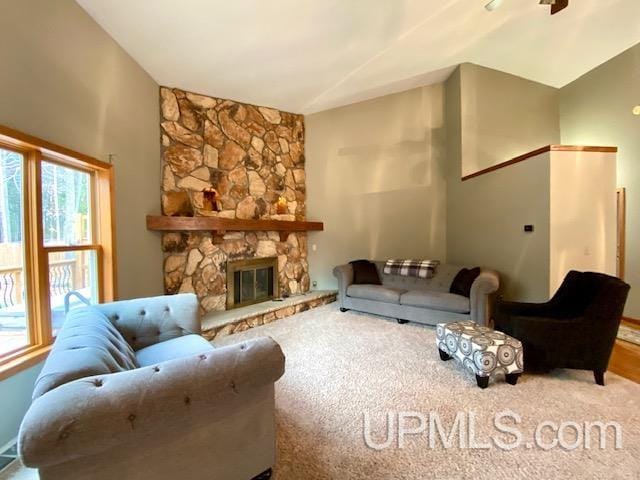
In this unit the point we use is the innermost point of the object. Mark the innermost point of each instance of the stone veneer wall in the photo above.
(251, 156)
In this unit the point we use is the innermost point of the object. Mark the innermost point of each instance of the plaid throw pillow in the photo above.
(411, 268)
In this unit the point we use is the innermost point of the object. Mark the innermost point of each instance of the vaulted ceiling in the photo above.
(310, 55)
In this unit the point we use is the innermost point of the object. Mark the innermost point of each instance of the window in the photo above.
(56, 237)
(13, 307)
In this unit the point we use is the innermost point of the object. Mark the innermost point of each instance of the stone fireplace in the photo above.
(254, 158)
(251, 281)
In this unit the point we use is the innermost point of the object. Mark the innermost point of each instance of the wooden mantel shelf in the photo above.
(221, 225)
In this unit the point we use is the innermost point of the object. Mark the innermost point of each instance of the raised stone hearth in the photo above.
(254, 157)
(220, 324)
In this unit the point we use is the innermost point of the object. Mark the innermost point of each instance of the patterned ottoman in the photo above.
(481, 350)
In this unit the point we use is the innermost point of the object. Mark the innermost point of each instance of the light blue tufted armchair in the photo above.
(131, 391)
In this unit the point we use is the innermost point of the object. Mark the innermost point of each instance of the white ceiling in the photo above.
(310, 55)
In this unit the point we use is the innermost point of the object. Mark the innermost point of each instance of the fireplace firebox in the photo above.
(251, 281)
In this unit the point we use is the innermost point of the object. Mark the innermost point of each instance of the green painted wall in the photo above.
(15, 398)
(596, 110)
(64, 79)
(375, 176)
(503, 116)
(491, 117)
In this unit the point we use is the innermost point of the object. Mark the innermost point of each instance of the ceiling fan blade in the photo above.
(559, 5)
(493, 4)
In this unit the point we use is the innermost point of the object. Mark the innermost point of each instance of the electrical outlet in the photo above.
(314, 247)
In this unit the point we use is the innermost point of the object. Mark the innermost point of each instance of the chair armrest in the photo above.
(549, 342)
(146, 321)
(505, 310)
(538, 330)
(94, 414)
(482, 288)
(344, 274)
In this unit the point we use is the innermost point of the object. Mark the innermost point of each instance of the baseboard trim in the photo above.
(7, 446)
(632, 321)
(8, 454)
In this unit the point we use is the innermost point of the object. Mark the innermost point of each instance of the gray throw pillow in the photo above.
(365, 273)
(462, 282)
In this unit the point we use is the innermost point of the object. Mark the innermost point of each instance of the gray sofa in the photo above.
(131, 391)
(419, 300)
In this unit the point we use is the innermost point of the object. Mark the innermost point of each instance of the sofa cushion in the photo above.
(462, 282)
(375, 292)
(87, 344)
(449, 302)
(365, 273)
(175, 348)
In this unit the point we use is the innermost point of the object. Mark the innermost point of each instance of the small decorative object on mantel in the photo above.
(177, 204)
(281, 206)
(210, 199)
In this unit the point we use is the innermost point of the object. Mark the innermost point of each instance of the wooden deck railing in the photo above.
(11, 286)
(64, 276)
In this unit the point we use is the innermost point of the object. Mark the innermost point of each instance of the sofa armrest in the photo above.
(344, 274)
(482, 289)
(94, 414)
(146, 321)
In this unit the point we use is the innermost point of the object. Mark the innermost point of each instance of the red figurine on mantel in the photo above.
(210, 199)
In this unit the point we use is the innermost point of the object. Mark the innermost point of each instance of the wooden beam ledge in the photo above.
(535, 153)
(220, 224)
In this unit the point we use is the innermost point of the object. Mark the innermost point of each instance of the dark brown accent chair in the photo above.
(577, 328)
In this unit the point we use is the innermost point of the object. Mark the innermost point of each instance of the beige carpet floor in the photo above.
(341, 365)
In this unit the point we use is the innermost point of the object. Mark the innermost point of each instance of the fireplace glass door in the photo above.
(251, 281)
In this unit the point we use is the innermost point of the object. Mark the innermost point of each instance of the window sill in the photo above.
(24, 360)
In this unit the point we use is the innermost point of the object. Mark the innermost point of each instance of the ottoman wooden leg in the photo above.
(444, 356)
(402, 321)
(483, 382)
(512, 378)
